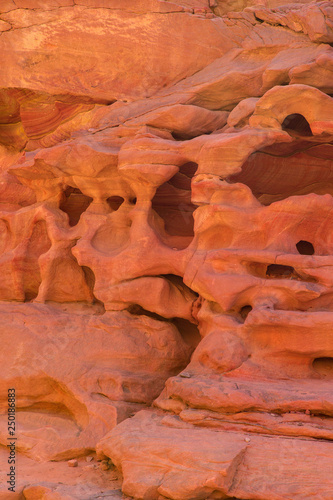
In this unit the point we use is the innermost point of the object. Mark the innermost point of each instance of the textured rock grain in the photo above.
(166, 182)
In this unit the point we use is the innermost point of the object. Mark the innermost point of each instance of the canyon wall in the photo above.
(166, 248)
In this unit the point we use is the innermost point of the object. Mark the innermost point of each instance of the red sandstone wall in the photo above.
(166, 249)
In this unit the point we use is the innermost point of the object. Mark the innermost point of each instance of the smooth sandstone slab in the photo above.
(161, 457)
(68, 49)
(76, 375)
(200, 467)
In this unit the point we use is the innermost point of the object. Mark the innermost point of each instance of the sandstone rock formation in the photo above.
(166, 183)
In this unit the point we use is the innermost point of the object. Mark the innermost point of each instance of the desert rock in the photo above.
(166, 184)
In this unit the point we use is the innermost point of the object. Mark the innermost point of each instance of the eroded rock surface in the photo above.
(166, 182)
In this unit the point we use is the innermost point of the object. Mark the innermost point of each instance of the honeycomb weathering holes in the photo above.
(74, 204)
(123, 251)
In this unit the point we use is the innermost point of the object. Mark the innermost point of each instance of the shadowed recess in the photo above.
(305, 247)
(39, 243)
(74, 204)
(49, 408)
(284, 170)
(279, 271)
(90, 280)
(115, 202)
(296, 123)
(244, 312)
(172, 202)
(323, 366)
(188, 330)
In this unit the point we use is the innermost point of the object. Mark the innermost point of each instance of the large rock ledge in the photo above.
(76, 375)
(161, 457)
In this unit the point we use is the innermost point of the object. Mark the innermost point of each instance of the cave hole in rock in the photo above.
(297, 123)
(172, 202)
(323, 366)
(74, 203)
(280, 271)
(305, 247)
(133, 201)
(244, 312)
(115, 202)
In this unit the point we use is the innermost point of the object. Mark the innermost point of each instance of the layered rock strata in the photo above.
(166, 287)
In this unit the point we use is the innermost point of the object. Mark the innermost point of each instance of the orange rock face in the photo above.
(166, 293)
